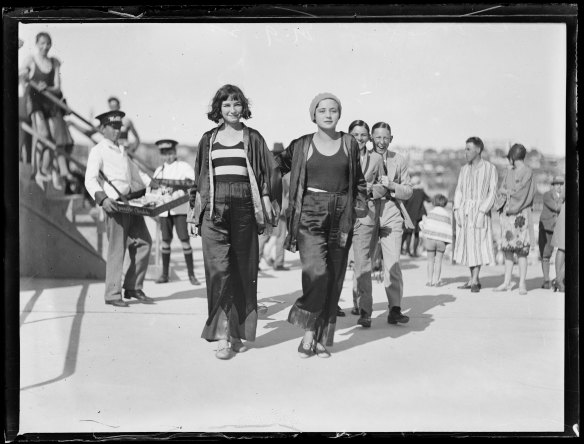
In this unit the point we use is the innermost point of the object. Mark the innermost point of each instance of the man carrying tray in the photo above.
(111, 175)
(171, 174)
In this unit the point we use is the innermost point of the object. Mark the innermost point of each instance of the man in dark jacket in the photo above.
(416, 210)
(552, 203)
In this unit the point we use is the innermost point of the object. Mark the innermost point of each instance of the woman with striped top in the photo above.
(235, 197)
(473, 199)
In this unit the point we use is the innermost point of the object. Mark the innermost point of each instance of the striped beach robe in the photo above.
(475, 192)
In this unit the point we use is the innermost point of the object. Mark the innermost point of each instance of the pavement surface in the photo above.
(482, 362)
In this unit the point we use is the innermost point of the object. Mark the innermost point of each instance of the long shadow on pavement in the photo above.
(417, 308)
(196, 292)
(71, 355)
(490, 282)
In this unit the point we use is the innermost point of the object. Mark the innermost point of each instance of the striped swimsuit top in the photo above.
(229, 163)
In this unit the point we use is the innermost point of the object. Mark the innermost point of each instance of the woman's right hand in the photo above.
(192, 229)
(42, 85)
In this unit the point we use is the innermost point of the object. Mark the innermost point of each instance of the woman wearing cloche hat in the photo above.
(327, 192)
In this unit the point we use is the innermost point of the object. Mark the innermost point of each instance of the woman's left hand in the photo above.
(270, 211)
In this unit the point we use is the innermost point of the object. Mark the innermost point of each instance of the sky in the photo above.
(436, 84)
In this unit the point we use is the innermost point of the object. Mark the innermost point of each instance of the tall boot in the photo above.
(190, 267)
(416, 242)
(545, 266)
(405, 249)
(165, 264)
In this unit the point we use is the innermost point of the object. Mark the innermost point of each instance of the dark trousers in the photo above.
(126, 231)
(365, 239)
(545, 242)
(230, 249)
(179, 223)
(324, 264)
(280, 238)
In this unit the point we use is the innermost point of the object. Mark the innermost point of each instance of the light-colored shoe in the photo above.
(321, 351)
(505, 287)
(224, 352)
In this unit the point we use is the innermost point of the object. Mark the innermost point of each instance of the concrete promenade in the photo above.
(483, 362)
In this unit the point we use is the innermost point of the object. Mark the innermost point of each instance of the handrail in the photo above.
(68, 110)
(60, 104)
(85, 132)
(25, 126)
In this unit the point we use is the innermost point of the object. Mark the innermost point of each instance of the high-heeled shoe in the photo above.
(557, 286)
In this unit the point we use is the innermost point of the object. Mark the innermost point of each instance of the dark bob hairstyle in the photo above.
(45, 35)
(358, 123)
(517, 152)
(228, 92)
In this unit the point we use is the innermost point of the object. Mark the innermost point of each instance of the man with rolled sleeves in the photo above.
(174, 170)
(110, 174)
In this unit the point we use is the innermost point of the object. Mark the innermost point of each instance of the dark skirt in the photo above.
(230, 249)
(324, 264)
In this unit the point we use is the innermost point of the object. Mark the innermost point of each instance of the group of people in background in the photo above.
(323, 194)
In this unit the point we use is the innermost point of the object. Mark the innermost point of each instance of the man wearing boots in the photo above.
(173, 169)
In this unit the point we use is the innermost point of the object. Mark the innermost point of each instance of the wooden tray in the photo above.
(151, 211)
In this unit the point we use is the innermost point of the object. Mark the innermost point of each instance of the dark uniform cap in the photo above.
(111, 117)
(166, 144)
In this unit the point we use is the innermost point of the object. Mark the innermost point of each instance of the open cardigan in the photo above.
(293, 160)
(263, 172)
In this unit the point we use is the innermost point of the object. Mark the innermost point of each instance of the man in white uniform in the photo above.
(109, 175)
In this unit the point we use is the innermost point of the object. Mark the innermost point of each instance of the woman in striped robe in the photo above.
(473, 199)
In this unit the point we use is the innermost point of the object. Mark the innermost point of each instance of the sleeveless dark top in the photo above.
(328, 173)
(39, 102)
